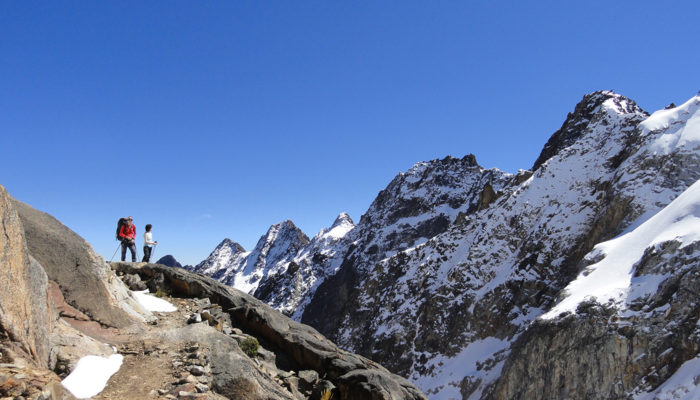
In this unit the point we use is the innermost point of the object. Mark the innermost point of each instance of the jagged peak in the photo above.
(602, 101)
(284, 229)
(468, 160)
(237, 248)
(342, 219)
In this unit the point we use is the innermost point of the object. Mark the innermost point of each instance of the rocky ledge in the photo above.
(299, 362)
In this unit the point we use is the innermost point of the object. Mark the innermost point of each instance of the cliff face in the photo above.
(26, 314)
(627, 326)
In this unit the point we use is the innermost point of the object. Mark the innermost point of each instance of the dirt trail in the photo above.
(158, 370)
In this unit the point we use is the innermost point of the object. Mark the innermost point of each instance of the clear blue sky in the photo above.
(217, 119)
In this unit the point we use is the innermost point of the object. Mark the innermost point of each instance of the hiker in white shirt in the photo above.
(148, 244)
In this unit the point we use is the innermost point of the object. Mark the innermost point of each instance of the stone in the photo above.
(201, 388)
(96, 290)
(134, 282)
(194, 318)
(24, 303)
(203, 303)
(307, 380)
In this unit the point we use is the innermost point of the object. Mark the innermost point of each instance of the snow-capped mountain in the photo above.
(291, 286)
(446, 311)
(231, 264)
(476, 283)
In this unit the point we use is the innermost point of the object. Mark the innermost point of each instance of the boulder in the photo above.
(25, 313)
(85, 278)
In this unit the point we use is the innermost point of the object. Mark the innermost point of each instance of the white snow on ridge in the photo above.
(611, 277)
(682, 125)
(91, 374)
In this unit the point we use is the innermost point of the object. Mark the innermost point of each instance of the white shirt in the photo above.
(148, 239)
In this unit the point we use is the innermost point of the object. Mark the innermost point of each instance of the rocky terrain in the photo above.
(62, 303)
(448, 276)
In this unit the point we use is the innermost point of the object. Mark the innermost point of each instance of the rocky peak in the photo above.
(343, 219)
(284, 235)
(230, 244)
(590, 108)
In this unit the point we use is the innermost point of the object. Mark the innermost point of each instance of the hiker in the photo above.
(127, 234)
(148, 243)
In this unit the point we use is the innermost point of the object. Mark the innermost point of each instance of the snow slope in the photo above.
(611, 278)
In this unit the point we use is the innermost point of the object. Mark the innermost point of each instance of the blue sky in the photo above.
(217, 119)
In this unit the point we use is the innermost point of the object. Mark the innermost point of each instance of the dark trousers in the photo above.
(132, 248)
(147, 254)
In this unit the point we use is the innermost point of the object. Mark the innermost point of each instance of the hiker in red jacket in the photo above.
(127, 234)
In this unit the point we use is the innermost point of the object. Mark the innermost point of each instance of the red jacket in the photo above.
(128, 232)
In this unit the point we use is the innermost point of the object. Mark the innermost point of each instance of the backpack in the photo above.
(122, 222)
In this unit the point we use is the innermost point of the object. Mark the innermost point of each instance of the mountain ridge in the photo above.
(452, 263)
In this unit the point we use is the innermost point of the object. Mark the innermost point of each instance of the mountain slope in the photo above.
(446, 311)
(456, 275)
(291, 286)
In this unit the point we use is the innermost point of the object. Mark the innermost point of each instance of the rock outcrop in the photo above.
(301, 346)
(26, 314)
(87, 282)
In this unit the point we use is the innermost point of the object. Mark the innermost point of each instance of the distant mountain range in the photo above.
(576, 278)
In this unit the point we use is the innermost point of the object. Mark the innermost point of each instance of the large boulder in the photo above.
(84, 277)
(25, 314)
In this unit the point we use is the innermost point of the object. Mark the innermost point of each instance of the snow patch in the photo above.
(152, 303)
(91, 374)
(682, 126)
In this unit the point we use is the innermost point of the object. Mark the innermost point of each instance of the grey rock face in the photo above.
(87, 282)
(25, 312)
(416, 206)
(602, 353)
(233, 373)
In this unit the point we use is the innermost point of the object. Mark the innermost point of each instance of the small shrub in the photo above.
(160, 293)
(250, 346)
